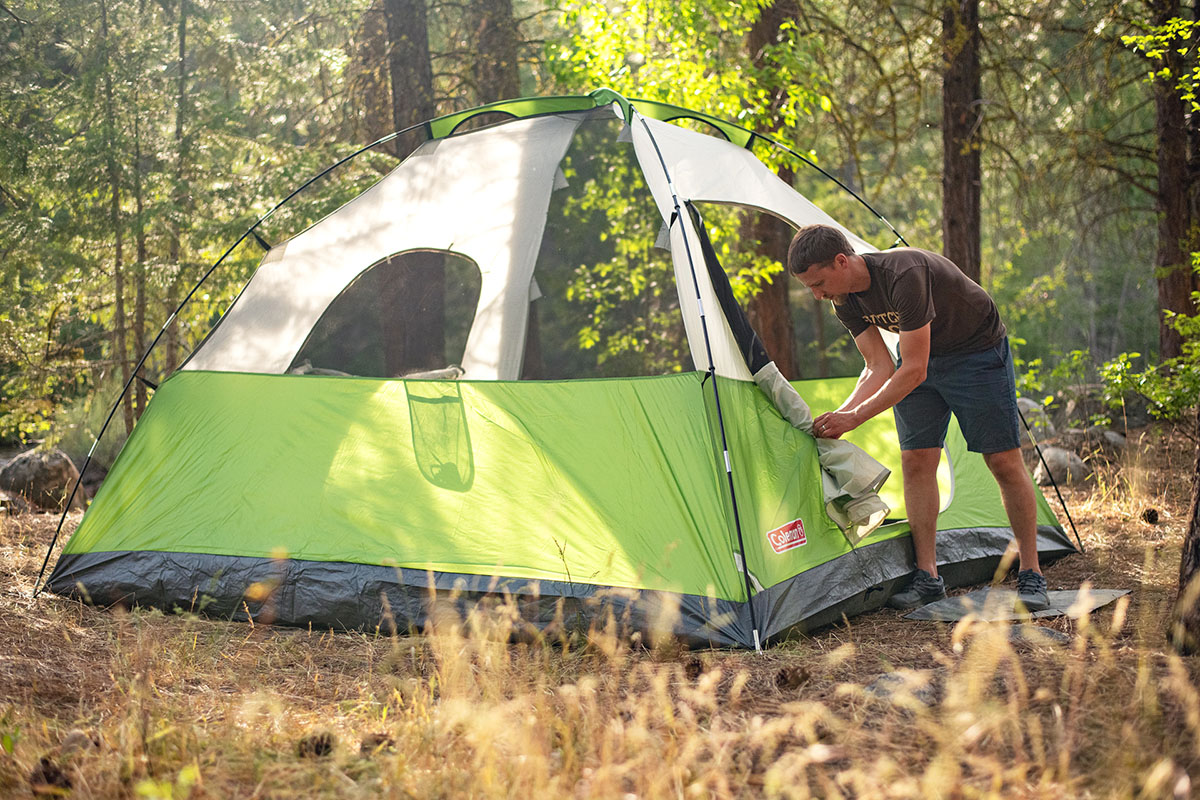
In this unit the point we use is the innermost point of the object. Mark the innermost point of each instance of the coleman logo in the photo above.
(787, 536)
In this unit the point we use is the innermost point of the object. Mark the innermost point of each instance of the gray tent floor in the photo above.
(993, 605)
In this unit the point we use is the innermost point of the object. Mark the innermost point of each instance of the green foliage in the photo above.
(10, 733)
(690, 53)
(77, 422)
(1171, 48)
(1172, 387)
(258, 116)
(1034, 380)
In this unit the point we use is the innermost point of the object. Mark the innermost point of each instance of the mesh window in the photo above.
(802, 335)
(603, 302)
(406, 315)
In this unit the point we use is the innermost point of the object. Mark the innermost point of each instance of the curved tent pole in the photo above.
(712, 373)
(251, 231)
(735, 134)
(441, 127)
(899, 237)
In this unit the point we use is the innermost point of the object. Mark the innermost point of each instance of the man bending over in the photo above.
(954, 358)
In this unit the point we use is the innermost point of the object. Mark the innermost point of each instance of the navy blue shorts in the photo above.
(979, 388)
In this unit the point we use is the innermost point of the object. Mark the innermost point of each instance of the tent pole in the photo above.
(712, 373)
(1038, 448)
(899, 237)
(251, 231)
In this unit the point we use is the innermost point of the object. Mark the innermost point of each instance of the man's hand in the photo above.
(832, 424)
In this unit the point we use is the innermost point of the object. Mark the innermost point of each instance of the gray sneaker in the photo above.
(1031, 591)
(922, 590)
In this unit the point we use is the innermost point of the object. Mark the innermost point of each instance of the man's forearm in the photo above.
(870, 381)
(893, 390)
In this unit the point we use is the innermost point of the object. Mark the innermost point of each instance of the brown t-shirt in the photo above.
(910, 287)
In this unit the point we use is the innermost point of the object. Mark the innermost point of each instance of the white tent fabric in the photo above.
(705, 169)
(484, 197)
(681, 166)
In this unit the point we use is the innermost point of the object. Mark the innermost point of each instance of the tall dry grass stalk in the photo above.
(481, 707)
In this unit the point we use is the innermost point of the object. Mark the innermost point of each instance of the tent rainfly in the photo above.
(484, 375)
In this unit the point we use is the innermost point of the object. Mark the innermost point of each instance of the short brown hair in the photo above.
(815, 244)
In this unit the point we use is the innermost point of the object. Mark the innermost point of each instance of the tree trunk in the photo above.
(496, 41)
(370, 89)
(119, 351)
(962, 117)
(412, 310)
(768, 310)
(1185, 627)
(139, 275)
(409, 67)
(180, 196)
(412, 307)
(1175, 189)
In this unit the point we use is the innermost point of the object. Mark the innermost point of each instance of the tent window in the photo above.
(405, 315)
(802, 336)
(603, 301)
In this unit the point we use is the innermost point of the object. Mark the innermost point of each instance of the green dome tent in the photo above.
(453, 384)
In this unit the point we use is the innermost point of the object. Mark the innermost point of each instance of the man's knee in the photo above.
(921, 461)
(1006, 465)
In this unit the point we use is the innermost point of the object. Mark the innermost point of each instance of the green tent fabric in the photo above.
(551, 489)
(261, 482)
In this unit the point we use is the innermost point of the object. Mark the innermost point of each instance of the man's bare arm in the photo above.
(870, 396)
(875, 374)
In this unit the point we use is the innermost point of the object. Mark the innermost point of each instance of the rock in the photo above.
(1075, 440)
(13, 504)
(1037, 419)
(1065, 467)
(1090, 444)
(1113, 441)
(77, 741)
(896, 686)
(43, 477)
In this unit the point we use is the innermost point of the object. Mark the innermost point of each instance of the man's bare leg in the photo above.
(1020, 502)
(922, 501)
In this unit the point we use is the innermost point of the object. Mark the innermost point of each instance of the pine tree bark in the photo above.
(409, 67)
(139, 275)
(180, 197)
(120, 353)
(370, 87)
(496, 40)
(962, 117)
(1176, 187)
(1185, 625)
(412, 304)
(769, 310)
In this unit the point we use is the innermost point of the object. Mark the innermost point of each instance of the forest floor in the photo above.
(107, 704)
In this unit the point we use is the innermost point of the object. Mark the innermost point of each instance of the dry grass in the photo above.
(182, 706)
